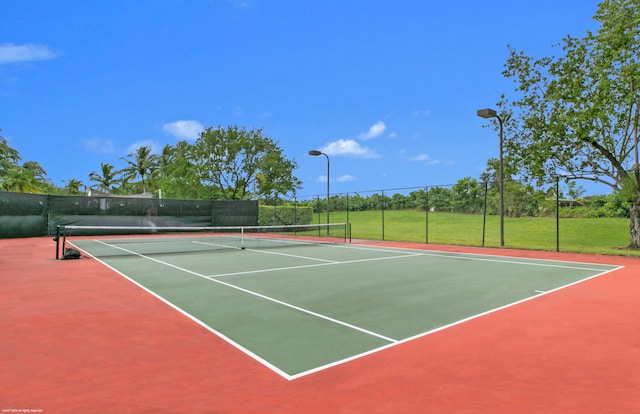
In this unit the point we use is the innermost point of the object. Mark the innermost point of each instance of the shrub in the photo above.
(283, 215)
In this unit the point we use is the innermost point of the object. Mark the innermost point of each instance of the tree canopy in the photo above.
(107, 178)
(142, 162)
(223, 163)
(578, 115)
(235, 163)
(15, 177)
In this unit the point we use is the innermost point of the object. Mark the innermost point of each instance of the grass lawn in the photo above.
(586, 235)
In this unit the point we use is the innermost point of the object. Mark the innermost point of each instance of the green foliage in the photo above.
(141, 163)
(236, 161)
(18, 179)
(578, 114)
(25, 178)
(284, 215)
(177, 176)
(612, 205)
(467, 195)
(107, 178)
(72, 187)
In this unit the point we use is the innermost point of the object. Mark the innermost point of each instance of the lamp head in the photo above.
(315, 153)
(487, 113)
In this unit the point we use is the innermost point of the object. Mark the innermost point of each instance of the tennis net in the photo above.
(101, 241)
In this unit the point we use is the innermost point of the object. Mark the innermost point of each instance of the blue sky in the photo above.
(388, 89)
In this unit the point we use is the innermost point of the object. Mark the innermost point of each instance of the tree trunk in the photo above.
(634, 224)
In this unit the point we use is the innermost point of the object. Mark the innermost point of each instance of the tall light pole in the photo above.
(490, 113)
(315, 153)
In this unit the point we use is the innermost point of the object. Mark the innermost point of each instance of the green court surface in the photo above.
(302, 308)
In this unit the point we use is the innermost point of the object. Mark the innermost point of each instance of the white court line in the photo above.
(485, 258)
(274, 253)
(250, 292)
(332, 263)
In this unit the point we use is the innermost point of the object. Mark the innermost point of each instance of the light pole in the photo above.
(315, 153)
(490, 113)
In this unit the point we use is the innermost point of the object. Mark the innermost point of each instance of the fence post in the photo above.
(382, 208)
(484, 214)
(295, 210)
(318, 205)
(557, 213)
(347, 206)
(426, 215)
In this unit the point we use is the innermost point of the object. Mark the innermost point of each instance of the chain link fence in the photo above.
(468, 213)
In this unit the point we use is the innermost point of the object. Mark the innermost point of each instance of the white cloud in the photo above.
(98, 145)
(348, 147)
(342, 179)
(426, 159)
(10, 53)
(374, 131)
(185, 129)
(345, 178)
(420, 157)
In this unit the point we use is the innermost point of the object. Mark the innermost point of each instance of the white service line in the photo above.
(275, 253)
(330, 263)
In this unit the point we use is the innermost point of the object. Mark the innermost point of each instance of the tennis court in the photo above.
(299, 306)
(80, 337)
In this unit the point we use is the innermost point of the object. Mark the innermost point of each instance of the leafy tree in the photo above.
(440, 199)
(177, 175)
(168, 154)
(230, 160)
(8, 156)
(15, 177)
(399, 202)
(107, 178)
(275, 176)
(467, 196)
(141, 163)
(357, 202)
(19, 179)
(419, 199)
(35, 169)
(578, 115)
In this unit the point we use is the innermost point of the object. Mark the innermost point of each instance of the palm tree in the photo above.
(8, 156)
(106, 179)
(14, 177)
(18, 179)
(141, 163)
(168, 156)
(35, 169)
(73, 186)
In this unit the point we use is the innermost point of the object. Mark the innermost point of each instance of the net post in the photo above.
(57, 240)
